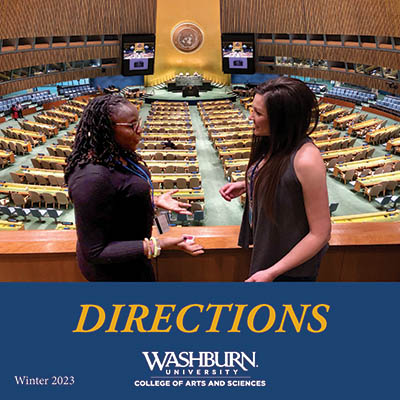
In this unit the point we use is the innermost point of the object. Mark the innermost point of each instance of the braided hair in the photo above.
(94, 140)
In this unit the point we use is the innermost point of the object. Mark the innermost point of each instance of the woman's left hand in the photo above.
(261, 276)
(167, 202)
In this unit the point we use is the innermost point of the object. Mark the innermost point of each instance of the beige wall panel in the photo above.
(32, 58)
(55, 78)
(262, 16)
(138, 16)
(387, 59)
(365, 17)
(393, 17)
(21, 18)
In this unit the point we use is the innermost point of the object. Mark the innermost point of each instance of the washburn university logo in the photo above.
(204, 362)
(187, 37)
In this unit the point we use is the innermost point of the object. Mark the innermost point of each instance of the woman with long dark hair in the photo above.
(111, 189)
(286, 215)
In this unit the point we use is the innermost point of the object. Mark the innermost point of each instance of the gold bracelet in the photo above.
(148, 248)
(157, 248)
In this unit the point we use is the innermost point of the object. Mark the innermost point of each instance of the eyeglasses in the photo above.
(133, 125)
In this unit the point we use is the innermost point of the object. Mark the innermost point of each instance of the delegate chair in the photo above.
(181, 183)
(389, 186)
(383, 201)
(30, 179)
(348, 176)
(60, 181)
(42, 180)
(194, 183)
(52, 180)
(36, 163)
(333, 207)
(16, 178)
(155, 169)
(51, 151)
(35, 198)
(48, 198)
(62, 200)
(19, 200)
(46, 164)
(373, 191)
(38, 213)
(23, 212)
(53, 213)
(9, 211)
(168, 184)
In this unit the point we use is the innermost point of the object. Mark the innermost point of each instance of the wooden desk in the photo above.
(35, 135)
(232, 143)
(7, 155)
(381, 216)
(71, 117)
(187, 194)
(393, 129)
(355, 254)
(325, 107)
(61, 123)
(11, 226)
(223, 136)
(320, 127)
(166, 124)
(362, 183)
(175, 163)
(51, 130)
(224, 122)
(342, 140)
(52, 159)
(342, 122)
(230, 152)
(236, 175)
(72, 109)
(366, 124)
(329, 155)
(393, 143)
(331, 115)
(66, 141)
(324, 133)
(165, 130)
(235, 163)
(23, 188)
(26, 145)
(235, 128)
(362, 164)
(187, 154)
(40, 171)
(153, 137)
(160, 178)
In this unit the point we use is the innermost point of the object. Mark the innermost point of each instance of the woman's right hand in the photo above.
(232, 190)
(181, 243)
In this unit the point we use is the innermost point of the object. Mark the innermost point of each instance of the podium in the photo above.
(190, 91)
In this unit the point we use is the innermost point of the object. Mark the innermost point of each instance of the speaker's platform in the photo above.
(212, 95)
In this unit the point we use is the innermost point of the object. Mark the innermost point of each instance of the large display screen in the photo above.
(137, 54)
(238, 53)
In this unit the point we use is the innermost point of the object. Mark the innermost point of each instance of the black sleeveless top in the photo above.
(272, 241)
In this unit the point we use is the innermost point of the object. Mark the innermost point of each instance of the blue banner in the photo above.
(191, 341)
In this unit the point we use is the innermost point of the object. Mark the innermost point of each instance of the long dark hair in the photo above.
(292, 110)
(94, 140)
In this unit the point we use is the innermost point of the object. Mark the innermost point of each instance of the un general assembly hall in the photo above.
(181, 85)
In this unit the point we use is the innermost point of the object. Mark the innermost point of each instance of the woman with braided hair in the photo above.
(111, 189)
